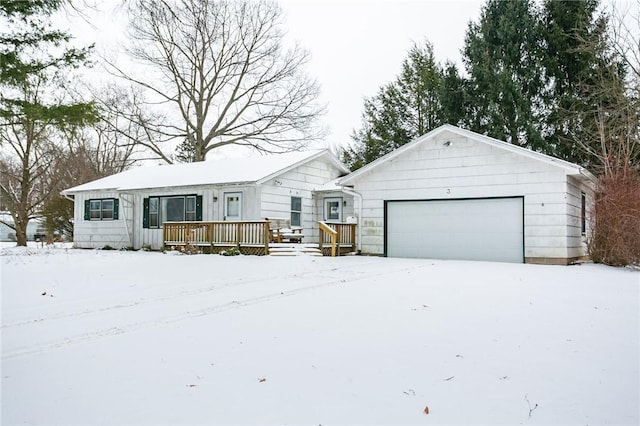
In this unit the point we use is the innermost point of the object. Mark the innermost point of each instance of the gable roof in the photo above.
(245, 170)
(570, 168)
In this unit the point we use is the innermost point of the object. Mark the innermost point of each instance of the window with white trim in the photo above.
(296, 211)
(101, 209)
(175, 208)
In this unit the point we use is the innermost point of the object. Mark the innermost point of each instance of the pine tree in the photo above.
(578, 59)
(453, 95)
(502, 56)
(402, 110)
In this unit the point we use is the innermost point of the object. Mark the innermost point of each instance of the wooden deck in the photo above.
(252, 237)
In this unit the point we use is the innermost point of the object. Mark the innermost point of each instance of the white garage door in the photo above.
(476, 229)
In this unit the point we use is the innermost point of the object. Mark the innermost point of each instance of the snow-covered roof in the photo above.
(244, 170)
(570, 168)
(330, 186)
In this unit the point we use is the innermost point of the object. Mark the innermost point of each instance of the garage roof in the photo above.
(570, 168)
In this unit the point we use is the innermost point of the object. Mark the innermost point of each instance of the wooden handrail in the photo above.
(339, 235)
(333, 234)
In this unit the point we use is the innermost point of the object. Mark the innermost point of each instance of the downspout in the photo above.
(124, 217)
(359, 197)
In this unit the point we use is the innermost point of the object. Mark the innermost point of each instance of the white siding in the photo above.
(577, 242)
(270, 199)
(276, 193)
(348, 206)
(127, 231)
(211, 210)
(99, 233)
(468, 168)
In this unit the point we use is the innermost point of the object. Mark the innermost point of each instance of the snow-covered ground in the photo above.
(112, 337)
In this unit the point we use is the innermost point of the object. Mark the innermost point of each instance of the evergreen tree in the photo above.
(578, 59)
(502, 56)
(35, 63)
(402, 110)
(453, 95)
(185, 152)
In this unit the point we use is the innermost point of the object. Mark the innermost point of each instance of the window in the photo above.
(190, 209)
(233, 206)
(96, 209)
(172, 209)
(180, 208)
(105, 209)
(583, 213)
(296, 211)
(154, 214)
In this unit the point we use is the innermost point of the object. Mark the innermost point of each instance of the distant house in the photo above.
(450, 194)
(456, 194)
(34, 228)
(129, 208)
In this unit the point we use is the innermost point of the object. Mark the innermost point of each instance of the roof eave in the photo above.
(318, 154)
(71, 191)
(393, 154)
(570, 168)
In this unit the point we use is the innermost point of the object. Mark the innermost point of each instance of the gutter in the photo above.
(586, 173)
(359, 197)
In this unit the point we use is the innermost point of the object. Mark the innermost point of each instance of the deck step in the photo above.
(294, 250)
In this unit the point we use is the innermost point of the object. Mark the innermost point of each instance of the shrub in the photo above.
(189, 249)
(233, 251)
(615, 232)
(107, 247)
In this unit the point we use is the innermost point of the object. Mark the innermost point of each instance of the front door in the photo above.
(333, 209)
(233, 206)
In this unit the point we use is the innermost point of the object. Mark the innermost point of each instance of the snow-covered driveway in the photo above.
(100, 337)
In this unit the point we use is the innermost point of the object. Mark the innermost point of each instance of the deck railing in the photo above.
(341, 237)
(249, 235)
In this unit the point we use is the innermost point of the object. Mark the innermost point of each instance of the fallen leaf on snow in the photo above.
(262, 380)
(426, 409)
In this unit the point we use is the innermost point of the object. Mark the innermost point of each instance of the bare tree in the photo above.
(217, 73)
(607, 127)
(90, 153)
(615, 233)
(619, 123)
(26, 169)
(614, 126)
(625, 36)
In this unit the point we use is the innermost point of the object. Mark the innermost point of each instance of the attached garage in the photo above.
(489, 229)
(456, 194)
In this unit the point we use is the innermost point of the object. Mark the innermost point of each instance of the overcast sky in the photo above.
(356, 46)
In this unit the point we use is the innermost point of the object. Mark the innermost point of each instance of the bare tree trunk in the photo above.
(21, 228)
